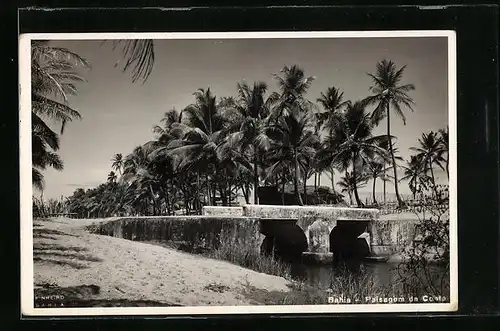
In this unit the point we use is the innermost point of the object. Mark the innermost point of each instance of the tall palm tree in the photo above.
(53, 80)
(293, 85)
(295, 141)
(198, 148)
(333, 103)
(429, 152)
(117, 164)
(254, 109)
(387, 91)
(351, 142)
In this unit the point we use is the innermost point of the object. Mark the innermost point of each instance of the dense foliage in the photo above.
(217, 150)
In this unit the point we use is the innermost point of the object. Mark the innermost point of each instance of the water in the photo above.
(384, 274)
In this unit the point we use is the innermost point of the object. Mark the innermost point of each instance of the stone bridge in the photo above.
(323, 230)
(311, 233)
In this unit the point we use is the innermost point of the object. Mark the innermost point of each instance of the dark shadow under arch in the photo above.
(286, 241)
(345, 245)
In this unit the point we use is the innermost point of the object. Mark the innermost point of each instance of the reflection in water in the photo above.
(384, 274)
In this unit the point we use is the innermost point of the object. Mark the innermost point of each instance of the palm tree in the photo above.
(139, 56)
(351, 142)
(415, 173)
(350, 183)
(198, 148)
(53, 80)
(388, 92)
(293, 85)
(294, 140)
(333, 103)
(444, 142)
(254, 109)
(429, 153)
(112, 177)
(117, 164)
(375, 169)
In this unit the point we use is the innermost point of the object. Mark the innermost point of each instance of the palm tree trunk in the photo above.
(296, 178)
(283, 181)
(385, 181)
(356, 195)
(433, 179)
(255, 180)
(209, 190)
(373, 192)
(305, 187)
(400, 202)
(332, 178)
(198, 201)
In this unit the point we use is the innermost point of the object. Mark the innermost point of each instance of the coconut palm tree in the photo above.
(375, 169)
(352, 143)
(415, 173)
(429, 152)
(444, 150)
(112, 177)
(333, 103)
(138, 56)
(350, 183)
(294, 140)
(198, 148)
(293, 85)
(53, 80)
(387, 91)
(254, 109)
(117, 164)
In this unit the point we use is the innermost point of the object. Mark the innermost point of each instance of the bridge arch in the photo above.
(347, 243)
(283, 238)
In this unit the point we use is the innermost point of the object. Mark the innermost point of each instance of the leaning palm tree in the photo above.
(387, 92)
(53, 80)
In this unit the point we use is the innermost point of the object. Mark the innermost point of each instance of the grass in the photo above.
(246, 256)
(344, 284)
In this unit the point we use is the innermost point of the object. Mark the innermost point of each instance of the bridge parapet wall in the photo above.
(198, 233)
(222, 211)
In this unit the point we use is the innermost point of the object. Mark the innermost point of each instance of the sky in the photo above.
(118, 115)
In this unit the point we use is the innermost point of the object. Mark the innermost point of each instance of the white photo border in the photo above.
(26, 221)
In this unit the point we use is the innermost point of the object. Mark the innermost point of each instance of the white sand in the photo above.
(131, 270)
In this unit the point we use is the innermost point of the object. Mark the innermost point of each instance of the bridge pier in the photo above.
(326, 229)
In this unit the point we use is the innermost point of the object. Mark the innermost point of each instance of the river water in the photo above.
(384, 274)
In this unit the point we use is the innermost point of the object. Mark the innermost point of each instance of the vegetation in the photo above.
(219, 149)
(53, 80)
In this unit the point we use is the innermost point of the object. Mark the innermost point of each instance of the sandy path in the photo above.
(66, 255)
